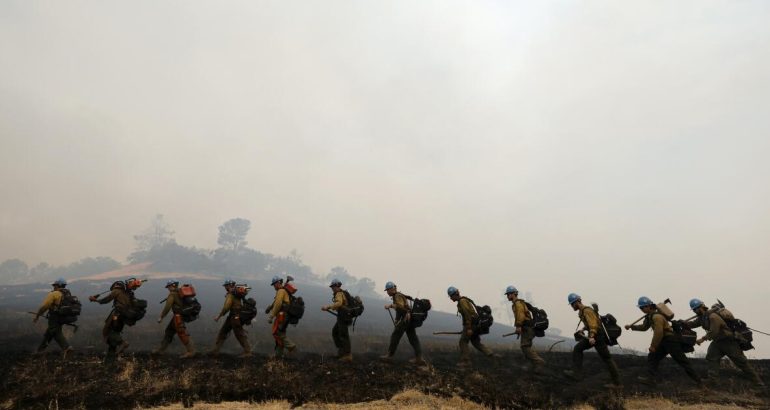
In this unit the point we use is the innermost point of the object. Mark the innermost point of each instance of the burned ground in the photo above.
(138, 379)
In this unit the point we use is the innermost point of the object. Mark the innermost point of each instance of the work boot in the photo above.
(245, 355)
(161, 349)
(190, 353)
(291, 348)
(386, 358)
(123, 346)
(418, 361)
(66, 352)
(215, 350)
(347, 358)
(572, 375)
(538, 369)
(464, 364)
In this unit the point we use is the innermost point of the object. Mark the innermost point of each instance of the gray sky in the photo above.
(609, 149)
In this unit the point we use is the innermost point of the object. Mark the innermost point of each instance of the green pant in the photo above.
(602, 350)
(527, 336)
(475, 340)
(670, 345)
(233, 323)
(729, 347)
(112, 331)
(341, 337)
(53, 332)
(402, 327)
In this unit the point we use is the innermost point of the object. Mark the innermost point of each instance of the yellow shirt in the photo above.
(281, 299)
(51, 302)
(520, 312)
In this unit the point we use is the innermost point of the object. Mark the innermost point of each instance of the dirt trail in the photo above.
(141, 380)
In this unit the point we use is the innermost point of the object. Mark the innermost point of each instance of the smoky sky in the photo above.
(613, 150)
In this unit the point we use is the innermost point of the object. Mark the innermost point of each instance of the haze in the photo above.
(610, 149)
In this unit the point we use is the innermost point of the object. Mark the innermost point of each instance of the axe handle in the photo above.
(638, 320)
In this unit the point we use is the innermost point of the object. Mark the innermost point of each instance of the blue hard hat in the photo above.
(276, 279)
(696, 303)
(573, 297)
(172, 282)
(390, 285)
(60, 282)
(511, 289)
(228, 282)
(451, 290)
(335, 282)
(644, 301)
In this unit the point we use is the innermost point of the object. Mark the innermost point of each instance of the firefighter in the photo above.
(278, 317)
(664, 342)
(467, 309)
(51, 305)
(121, 295)
(231, 308)
(402, 324)
(723, 340)
(524, 329)
(177, 325)
(340, 333)
(597, 339)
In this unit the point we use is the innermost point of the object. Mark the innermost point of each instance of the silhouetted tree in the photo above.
(158, 234)
(232, 234)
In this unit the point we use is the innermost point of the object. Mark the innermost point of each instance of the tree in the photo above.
(232, 234)
(159, 233)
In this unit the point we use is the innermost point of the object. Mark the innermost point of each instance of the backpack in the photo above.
(191, 308)
(741, 330)
(355, 306)
(419, 313)
(295, 310)
(539, 320)
(612, 330)
(687, 336)
(483, 320)
(135, 311)
(248, 311)
(69, 308)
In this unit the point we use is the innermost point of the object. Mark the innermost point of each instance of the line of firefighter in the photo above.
(664, 341)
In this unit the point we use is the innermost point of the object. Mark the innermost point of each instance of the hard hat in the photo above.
(511, 289)
(451, 290)
(118, 284)
(695, 303)
(573, 297)
(644, 301)
(228, 282)
(60, 282)
(335, 282)
(172, 282)
(390, 285)
(275, 279)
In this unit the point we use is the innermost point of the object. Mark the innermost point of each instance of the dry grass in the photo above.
(408, 399)
(663, 404)
(415, 400)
